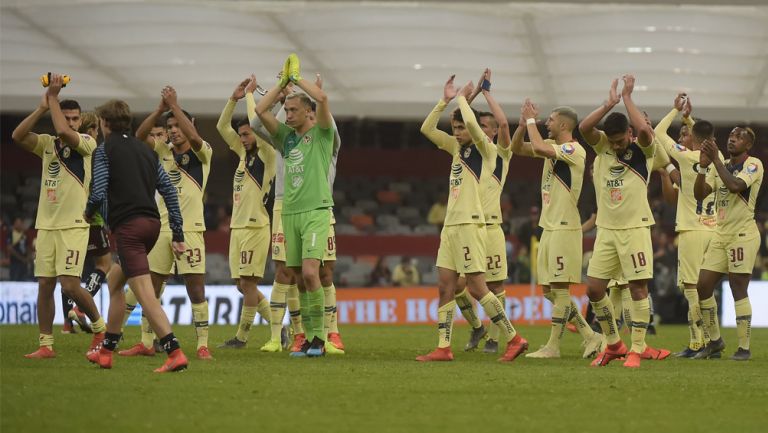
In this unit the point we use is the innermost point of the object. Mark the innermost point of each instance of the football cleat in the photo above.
(713, 349)
(138, 349)
(102, 356)
(611, 352)
(330, 349)
(633, 360)
(687, 353)
(593, 345)
(204, 354)
(439, 354)
(298, 342)
(651, 353)
(232, 343)
(176, 362)
(545, 352)
(285, 341)
(335, 339)
(294, 67)
(44, 352)
(68, 328)
(571, 327)
(77, 316)
(302, 352)
(272, 346)
(317, 348)
(491, 346)
(96, 341)
(515, 347)
(475, 337)
(741, 355)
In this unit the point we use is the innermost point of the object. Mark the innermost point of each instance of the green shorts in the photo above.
(306, 235)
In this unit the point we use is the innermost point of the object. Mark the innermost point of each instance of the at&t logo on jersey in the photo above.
(54, 168)
(456, 170)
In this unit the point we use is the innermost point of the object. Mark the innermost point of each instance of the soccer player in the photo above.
(307, 149)
(624, 218)
(249, 237)
(494, 125)
(696, 219)
(98, 247)
(734, 246)
(559, 252)
(62, 237)
(187, 162)
(129, 173)
(463, 239)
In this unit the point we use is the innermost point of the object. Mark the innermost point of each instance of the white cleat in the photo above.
(593, 345)
(544, 352)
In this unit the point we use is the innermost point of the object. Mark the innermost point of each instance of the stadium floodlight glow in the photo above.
(650, 29)
(417, 66)
(637, 50)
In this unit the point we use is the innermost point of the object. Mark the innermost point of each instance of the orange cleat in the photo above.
(611, 352)
(651, 353)
(77, 316)
(633, 360)
(44, 352)
(176, 362)
(515, 347)
(571, 327)
(68, 328)
(439, 354)
(335, 339)
(138, 349)
(298, 342)
(96, 341)
(102, 356)
(204, 354)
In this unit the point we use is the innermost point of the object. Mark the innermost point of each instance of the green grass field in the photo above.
(378, 387)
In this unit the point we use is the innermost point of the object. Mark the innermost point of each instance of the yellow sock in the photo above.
(604, 314)
(694, 319)
(294, 309)
(709, 318)
(247, 315)
(578, 320)
(467, 308)
(130, 305)
(445, 324)
(743, 321)
(560, 313)
(45, 340)
(493, 331)
(277, 305)
(99, 326)
(264, 311)
(615, 295)
(495, 310)
(626, 306)
(641, 314)
(200, 320)
(329, 310)
(147, 334)
(549, 296)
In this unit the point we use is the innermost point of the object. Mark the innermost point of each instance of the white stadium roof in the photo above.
(390, 59)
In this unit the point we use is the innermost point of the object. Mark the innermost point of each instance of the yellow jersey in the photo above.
(561, 180)
(490, 193)
(188, 172)
(736, 211)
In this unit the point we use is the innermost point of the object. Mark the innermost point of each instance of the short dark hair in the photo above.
(615, 123)
(750, 132)
(242, 122)
(456, 114)
(702, 130)
(160, 122)
(169, 114)
(313, 106)
(70, 104)
(117, 114)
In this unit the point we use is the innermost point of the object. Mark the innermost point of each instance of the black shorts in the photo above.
(98, 241)
(135, 238)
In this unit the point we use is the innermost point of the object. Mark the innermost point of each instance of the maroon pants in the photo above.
(135, 238)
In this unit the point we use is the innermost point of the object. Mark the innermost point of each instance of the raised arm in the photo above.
(701, 188)
(636, 118)
(470, 121)
(588, 125)
(530, 113)
(439, 138)
(324, 117)
(667, 188)
(667, 142)
(23, 135)
(262, 109)
(224, 125)
(186, 125)
(68, 136)
(100, 184)
(142, 132)
(519, 145)
(504, 138)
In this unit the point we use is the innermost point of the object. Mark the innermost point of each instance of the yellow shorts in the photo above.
(248, 250)
(691, 246)
(495, 253)
(161, 258)
(61, 252)
(278, 236)
(626, 252)
(617, 282)
(559, 257)
(462, 248)
(732, 253)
